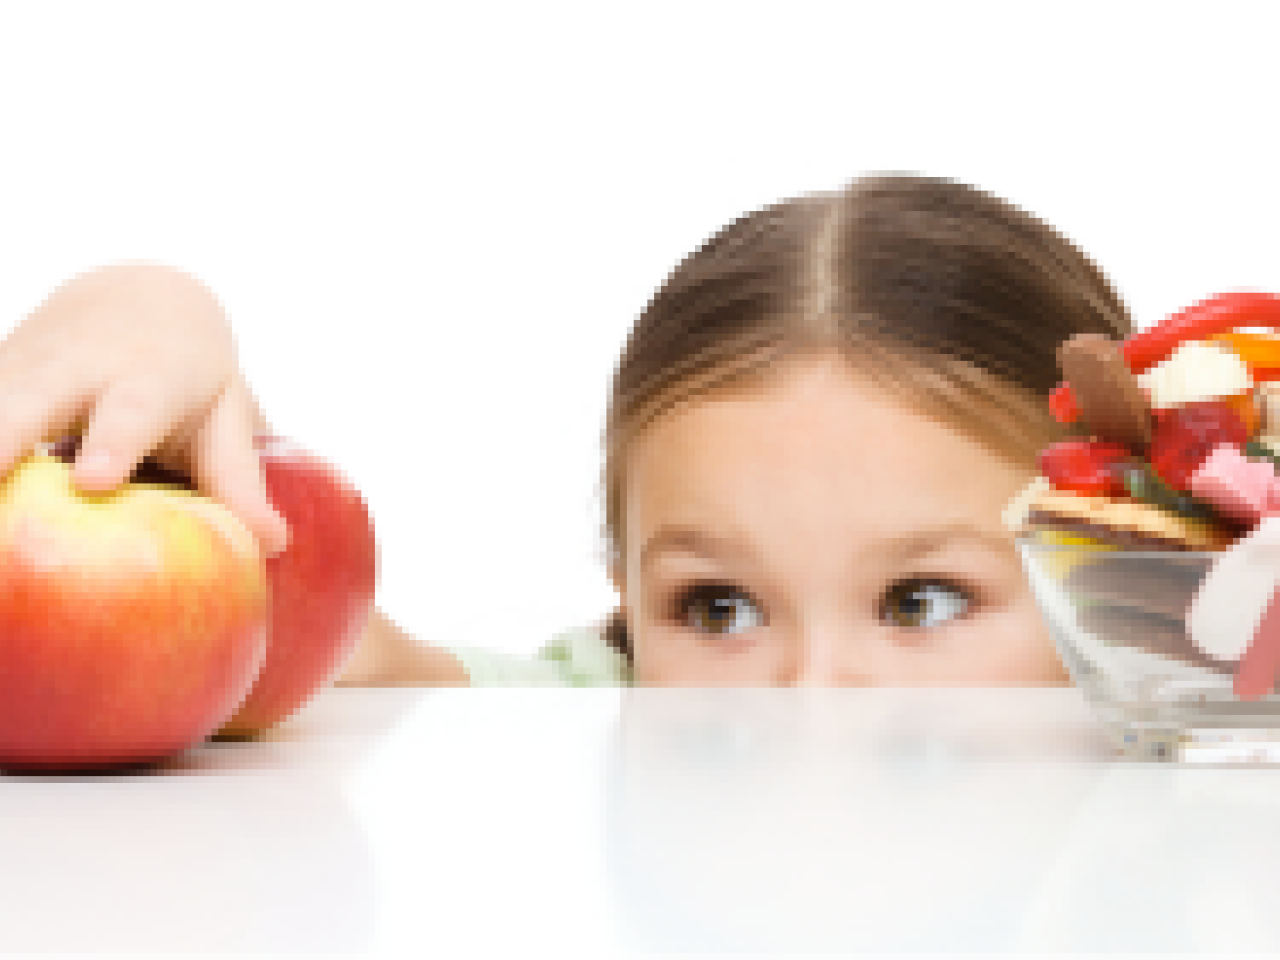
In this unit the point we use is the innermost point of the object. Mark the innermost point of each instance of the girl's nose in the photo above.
(825, 656)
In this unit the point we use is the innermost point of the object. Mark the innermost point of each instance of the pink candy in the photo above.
(1242, 489)
(1248, 491)
(1256, 671)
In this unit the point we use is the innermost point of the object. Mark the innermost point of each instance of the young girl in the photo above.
(813, 431)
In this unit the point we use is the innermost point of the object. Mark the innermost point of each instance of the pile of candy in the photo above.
(1183, 430)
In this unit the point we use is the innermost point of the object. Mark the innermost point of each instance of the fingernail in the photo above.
(95, 465)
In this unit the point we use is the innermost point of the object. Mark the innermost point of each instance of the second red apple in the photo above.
(321, 586)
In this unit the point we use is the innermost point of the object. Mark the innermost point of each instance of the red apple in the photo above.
(322, 585)
(132, 623)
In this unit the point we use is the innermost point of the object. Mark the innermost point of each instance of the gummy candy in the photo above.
(1255, 349)
(1246, 406)
(1184, 437)
(1085, 466)
(1143, 485)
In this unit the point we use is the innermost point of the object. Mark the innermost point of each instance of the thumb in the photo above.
(227, 468)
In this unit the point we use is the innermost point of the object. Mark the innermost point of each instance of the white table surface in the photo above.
(613, 822)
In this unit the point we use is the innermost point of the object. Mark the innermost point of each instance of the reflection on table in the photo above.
(606, 822)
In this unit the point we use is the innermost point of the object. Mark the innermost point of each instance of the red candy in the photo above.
(1183, 437)
(1085, 466)
(1200, 321)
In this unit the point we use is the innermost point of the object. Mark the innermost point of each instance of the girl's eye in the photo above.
(923, 603)
(717, 608)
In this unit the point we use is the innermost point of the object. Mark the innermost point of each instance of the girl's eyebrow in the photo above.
(920, 542)
(904, 547)
(689, 540)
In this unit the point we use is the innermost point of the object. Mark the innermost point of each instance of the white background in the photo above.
(434, 224)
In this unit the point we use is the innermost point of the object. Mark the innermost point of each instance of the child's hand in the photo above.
(141, 359)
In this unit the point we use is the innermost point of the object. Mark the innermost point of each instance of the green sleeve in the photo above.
(574, 658)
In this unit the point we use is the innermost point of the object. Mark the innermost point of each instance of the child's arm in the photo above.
(140, 359)
(388, 656)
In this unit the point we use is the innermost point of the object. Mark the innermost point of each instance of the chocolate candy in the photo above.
(1112, 402)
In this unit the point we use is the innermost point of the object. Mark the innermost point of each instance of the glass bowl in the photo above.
(1118, 620)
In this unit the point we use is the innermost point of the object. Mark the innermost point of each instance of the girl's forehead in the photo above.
(815, 445)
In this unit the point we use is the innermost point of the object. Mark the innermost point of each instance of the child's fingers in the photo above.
(228, 469)
(130, 419)
(31, 414)
(134, 417)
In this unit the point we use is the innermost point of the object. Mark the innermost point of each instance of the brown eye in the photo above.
(717, 608)
(923, 603)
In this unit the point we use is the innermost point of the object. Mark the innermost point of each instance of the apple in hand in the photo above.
(321, 585)
(132, 623)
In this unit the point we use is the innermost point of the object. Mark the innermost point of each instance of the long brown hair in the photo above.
(949, 296)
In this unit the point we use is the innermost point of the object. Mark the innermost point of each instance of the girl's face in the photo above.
(819, 531)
